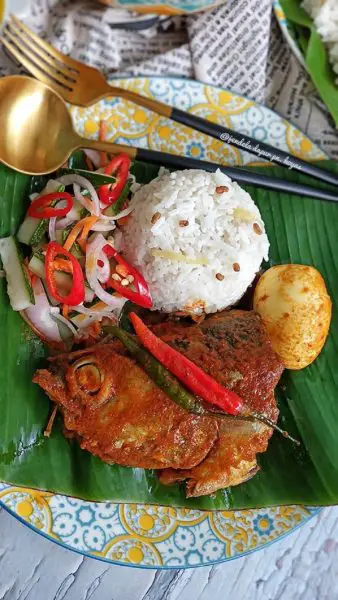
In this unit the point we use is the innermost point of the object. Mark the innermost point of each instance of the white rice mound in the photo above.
(182, 213)
(325, 16)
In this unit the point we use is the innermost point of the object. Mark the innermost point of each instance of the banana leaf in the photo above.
(315, 54)
(300, 230)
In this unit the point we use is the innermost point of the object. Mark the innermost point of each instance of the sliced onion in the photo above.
(52, 229)
(92, 312)
(94, 250)
(64, 223)
(104, 227)
(85, 202)
(119, 215)
(91, 315)
(56, 315)
(94, 156)
(40, 314)
(86, 321)
(72, 216)
(82, 182)
(104, 270)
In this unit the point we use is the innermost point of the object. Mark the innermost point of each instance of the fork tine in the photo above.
(30, 67)
(69, 62)
(30, 60)
(13, 28)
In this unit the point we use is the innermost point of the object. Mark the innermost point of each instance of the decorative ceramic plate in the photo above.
(167, 7)
(155, 536)
(289, 31)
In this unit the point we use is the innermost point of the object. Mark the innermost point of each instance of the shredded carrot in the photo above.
(65, 311)
(82, 241)
(33, 277)
(102, 138)
(83, 226)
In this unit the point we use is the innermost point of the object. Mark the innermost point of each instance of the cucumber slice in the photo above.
(32, 230)
(37, 266)
(18, 286)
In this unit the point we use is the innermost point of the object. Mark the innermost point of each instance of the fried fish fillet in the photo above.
(234, 348)
(121, 416)
(118, 413)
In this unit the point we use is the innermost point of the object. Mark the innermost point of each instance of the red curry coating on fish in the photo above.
(122, 416)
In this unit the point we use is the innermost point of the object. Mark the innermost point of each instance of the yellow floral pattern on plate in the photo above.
(147, 535)
(130, 124)
(158, 536)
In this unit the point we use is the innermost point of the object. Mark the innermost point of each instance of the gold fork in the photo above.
(80, 84)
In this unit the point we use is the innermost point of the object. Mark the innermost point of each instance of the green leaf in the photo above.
(315, 54)
(321, 71)
(96, 179)
(301, 230)
(294, 11)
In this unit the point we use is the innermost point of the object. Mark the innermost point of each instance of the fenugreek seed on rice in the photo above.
(156, 216)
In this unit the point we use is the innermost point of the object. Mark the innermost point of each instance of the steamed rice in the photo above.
(325, 17)
(185, 215)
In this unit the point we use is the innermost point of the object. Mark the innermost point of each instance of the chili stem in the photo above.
(254, 416)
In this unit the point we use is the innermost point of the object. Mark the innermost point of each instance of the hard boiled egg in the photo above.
(295, 307)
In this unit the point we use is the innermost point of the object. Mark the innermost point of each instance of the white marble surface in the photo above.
(302, 566)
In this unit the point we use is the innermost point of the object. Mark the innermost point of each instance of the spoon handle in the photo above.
(242, 176)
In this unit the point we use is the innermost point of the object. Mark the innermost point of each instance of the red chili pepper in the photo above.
(118, 166)
(194, 378)
(77, 292)
(41, 207)
(142, 296)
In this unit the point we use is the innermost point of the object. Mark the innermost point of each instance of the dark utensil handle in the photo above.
(238, 174)
(260, 149)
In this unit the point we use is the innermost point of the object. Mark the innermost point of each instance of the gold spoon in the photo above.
(37, 137)
(36, 130)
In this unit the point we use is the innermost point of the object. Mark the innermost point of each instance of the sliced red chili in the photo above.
(194, 378)
(118, 166)
(41, 208)
(142, 296)
(77, 293)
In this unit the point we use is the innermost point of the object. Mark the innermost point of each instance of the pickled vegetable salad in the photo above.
(74, 275)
